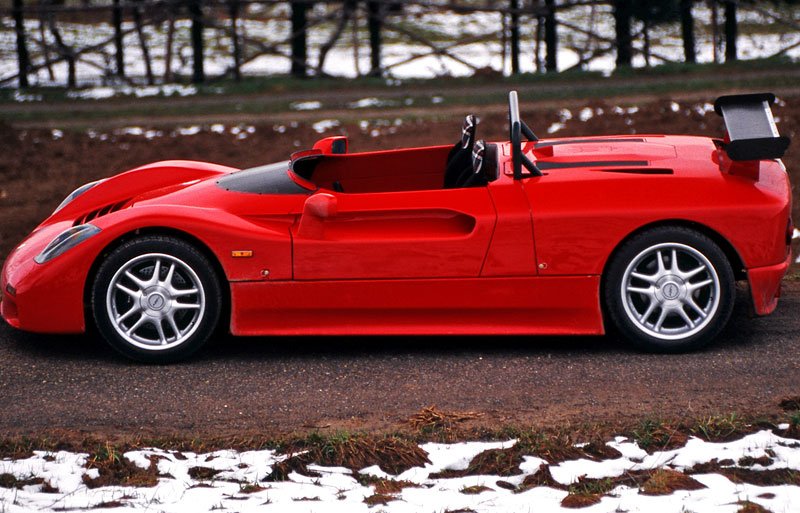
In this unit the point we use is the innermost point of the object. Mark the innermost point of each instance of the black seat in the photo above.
(459, 160)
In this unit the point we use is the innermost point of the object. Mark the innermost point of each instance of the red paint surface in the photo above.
(395, 253)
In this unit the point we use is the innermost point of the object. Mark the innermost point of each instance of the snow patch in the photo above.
(309, 105)
(103, 92)
(338, 490)
(325, 125)
(366, 103)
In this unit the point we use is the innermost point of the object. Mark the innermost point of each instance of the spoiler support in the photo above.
(751, 131)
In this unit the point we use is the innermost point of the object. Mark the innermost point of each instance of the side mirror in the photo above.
(336, 145)
(322, 205)
(316, 209)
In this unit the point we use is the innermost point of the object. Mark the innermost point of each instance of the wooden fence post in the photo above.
(513, 6)
(196, 12)
(687, 31)
(299, 38)
(622, 26)
(23, 59)
(116, 20)
(550, 37)
(374, 24)
(730, 31)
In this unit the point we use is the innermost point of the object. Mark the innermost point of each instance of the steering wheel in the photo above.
(517, 128)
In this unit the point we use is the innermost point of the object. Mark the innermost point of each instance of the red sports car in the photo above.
(643, 233)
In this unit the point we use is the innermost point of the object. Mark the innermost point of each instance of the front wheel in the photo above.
(669, 289)
(156, 299)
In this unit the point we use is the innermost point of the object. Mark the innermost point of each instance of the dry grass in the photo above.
(666, 481)
(392, 454)
(383, 486)
(378, 498)
(542, 477)
(431, 419)
(496, 462)
(117, 470)
(203, 473)
(475, 489)
(752, 507)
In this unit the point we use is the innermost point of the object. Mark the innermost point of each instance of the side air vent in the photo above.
(640, 170)
(100, 212)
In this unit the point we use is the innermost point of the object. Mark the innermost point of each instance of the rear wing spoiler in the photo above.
(752, 134)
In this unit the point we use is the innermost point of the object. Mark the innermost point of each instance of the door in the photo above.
(393, 235)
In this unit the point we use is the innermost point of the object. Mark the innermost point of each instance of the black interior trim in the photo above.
(595, 163)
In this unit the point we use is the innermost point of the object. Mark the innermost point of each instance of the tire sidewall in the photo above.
(614, 300)
(169, 246)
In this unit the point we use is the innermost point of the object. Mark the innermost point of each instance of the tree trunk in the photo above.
(550, 37)
(356, 42)
(196, 12)
(168, 49)
(715, 29)
(622, 25)
(730, 31)
(119, 51)
(646, 34)
(347, 12)
(299, 38)
(23, 59)
(137, 21)
(374, 24)
(233, 9)
(687, 31)
(538, 48)
(513, 6)
(65, 51)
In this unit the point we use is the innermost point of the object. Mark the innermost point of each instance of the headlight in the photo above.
(74, 194)
(66, 240)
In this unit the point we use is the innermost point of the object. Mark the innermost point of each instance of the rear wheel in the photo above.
(156, 299)
(669, 289)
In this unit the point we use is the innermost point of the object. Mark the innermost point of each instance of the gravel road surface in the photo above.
(278, 385)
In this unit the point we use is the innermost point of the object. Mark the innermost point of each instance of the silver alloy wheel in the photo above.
(155, 301)
(670, 291)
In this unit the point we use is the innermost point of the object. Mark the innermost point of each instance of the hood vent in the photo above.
(641, 170)
(100, 212)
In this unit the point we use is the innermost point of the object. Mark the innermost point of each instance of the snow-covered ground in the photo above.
(239, 482)
(348, 60)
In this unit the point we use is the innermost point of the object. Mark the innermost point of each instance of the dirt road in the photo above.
(273, 386)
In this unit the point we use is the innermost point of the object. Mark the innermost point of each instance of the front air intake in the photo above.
(100, 212)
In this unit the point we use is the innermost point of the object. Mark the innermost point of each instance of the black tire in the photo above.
(187, 320)
(647, 312)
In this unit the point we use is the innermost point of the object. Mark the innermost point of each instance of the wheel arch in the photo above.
(733, 256)
(167, 232)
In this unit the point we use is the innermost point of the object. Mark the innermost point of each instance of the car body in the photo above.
(396, 252)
